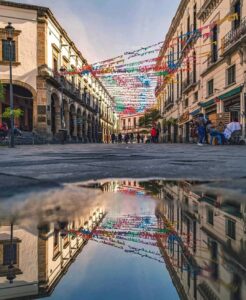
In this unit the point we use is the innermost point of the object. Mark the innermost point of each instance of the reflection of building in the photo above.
(206, 255)
(80, 104)
(41, 256)
(124, 186)
(204, 51)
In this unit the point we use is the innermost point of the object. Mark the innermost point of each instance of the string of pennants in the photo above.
(132, 83)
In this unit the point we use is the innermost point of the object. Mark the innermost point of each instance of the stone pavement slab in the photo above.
(56, 164)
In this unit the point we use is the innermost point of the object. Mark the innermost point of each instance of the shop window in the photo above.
(210, 87)
(230, 227)
(210, 216)
(7, 52)
(231, 75)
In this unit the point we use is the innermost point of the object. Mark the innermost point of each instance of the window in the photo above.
(210, 216)
(186, 102)
(194, 67)
(55, 65)
(135, 122)
(237, 9)
(188, 27)
(231, 75)
(188, 72)
(230, 228)
(56, 242)
(210, 87)
(9, 254)
(7, 52)
(214, 57)
(195, 96)
(194, 17)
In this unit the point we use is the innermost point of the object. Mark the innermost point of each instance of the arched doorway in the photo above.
(55, 114)
(23, 99)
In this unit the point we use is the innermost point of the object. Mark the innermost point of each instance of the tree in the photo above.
(150, 116)
(16, 112)
(1, 91)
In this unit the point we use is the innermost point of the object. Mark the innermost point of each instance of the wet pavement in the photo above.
(125, 239)
(28, 167)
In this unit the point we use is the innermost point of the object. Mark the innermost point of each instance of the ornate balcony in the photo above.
(234, 36)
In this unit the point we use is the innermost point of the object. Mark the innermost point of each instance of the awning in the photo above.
(231, 93)
(195, 112)
(208, 103)
(222, 97)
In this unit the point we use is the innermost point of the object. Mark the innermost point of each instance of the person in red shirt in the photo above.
(153, 134)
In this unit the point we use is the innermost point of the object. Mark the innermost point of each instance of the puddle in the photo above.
(125, 239)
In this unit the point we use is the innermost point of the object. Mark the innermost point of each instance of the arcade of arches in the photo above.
(81, 124)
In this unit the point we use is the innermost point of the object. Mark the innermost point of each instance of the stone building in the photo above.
(130, 123)
(204, 52)
(79, 104)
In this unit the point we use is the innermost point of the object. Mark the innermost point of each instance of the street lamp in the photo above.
(9, 30)
(11, 269)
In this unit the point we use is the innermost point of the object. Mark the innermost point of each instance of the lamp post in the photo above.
(11, 269)
(9, 29)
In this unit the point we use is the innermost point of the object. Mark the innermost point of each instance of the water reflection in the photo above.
(124, 240)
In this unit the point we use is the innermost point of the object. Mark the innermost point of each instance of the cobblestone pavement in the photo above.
(50, 165)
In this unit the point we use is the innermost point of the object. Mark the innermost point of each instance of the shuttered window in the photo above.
(8, 54)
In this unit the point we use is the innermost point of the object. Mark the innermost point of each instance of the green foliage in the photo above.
(16, 112)
(152, 115)
(1, 91)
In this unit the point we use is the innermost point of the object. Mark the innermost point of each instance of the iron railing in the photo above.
(234, 35)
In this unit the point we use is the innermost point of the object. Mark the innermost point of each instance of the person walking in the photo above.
(142, 138)
(131, 137)
(120, 138)
(157, 135)
(201, 123)
(153, 134)
(138, 138)
(113, 138)
(126, 138)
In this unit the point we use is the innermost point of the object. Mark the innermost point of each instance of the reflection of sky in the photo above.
(103, 272)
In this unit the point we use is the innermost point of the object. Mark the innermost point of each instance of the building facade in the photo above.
(204, 54)
(78, 104)
(130, 123)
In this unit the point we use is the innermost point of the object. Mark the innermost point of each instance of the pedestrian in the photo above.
(126, 138)
(3, 130)
(142, 138)
(201, 123)
(138, 138)
(131, 137)
(153, 134)
(113, 138)
(120, 138)
(157, 135)
(193, 131)
(214, 133)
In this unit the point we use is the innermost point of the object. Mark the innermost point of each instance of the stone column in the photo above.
(67, 122)
(74, 120)
(58, 118)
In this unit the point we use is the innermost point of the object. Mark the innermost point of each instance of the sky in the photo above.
(102, 29)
